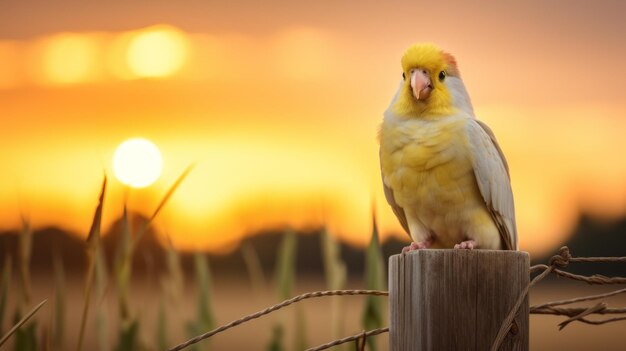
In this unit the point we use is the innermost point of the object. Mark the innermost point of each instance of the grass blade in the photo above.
(25, 246)
(102, 330)
(26, 335)
(25, 338)
(129, 333)
(285, 277)
(93, 241)
(21, 322)
(94, 231)
(254, 268)
(171, 191)
(161, 327)
(123, 267)
(335, 270)
(58, 327)
(128, 327)
(300, 340)
(174, 282)
(205, 319)
(276, 342)
(336, 274)
(7, 271)
(285, 266)
(172, 285)
(163, 202)
(128, 330)
(375, 280)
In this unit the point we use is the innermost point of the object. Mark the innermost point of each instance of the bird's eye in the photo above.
(403, 76)
(442, 76)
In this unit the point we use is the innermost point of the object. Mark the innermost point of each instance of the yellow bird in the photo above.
(443, 171)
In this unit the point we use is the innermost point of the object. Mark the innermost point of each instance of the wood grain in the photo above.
(456, 299)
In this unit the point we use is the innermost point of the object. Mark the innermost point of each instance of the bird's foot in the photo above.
(467, 245)
(417, 246)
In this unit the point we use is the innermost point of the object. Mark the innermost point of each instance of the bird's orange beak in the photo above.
(421, 84)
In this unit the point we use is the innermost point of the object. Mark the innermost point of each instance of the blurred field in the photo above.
(233, 299)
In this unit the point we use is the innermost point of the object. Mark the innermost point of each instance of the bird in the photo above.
(443, 171)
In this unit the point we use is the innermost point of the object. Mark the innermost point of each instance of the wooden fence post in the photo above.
(456, 299)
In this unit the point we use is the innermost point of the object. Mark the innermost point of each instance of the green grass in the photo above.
(28, 342)
(58, 326)
(171, 284)
(5, 283)
(290, 330)
(129, 325)
(102, 316)
(285, 275)
(93, 243)
(205, 319)
(25, 250)
(253, 266)
(336, 273)
(374, 280)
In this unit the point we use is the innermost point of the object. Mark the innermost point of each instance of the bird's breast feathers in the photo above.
(428, 166)
(420, 156)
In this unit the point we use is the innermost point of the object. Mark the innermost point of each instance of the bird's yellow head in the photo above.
(425, 69)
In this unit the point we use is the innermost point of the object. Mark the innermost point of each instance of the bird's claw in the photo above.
(467, 245)
(416, 246)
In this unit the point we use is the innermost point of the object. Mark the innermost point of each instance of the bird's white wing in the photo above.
(492, 174)
(397, 210)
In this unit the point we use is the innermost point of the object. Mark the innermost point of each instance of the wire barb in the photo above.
(557, 262)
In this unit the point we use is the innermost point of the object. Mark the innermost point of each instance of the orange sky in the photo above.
(279, 106)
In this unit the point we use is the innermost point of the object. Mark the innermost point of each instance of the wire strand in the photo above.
(275, 308)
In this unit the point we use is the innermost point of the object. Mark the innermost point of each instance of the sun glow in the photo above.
(157, 52)
(292, 145)
(70, 58)
(137, 162)
(9, 69)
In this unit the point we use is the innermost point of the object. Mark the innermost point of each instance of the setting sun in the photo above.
(137, 162)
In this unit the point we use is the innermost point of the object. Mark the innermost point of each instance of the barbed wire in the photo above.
(275, 308)
(361, 336)
(556, 263)
(561, 260)
(578, 299)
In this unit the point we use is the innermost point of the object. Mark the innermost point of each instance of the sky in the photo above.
(278, 104)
